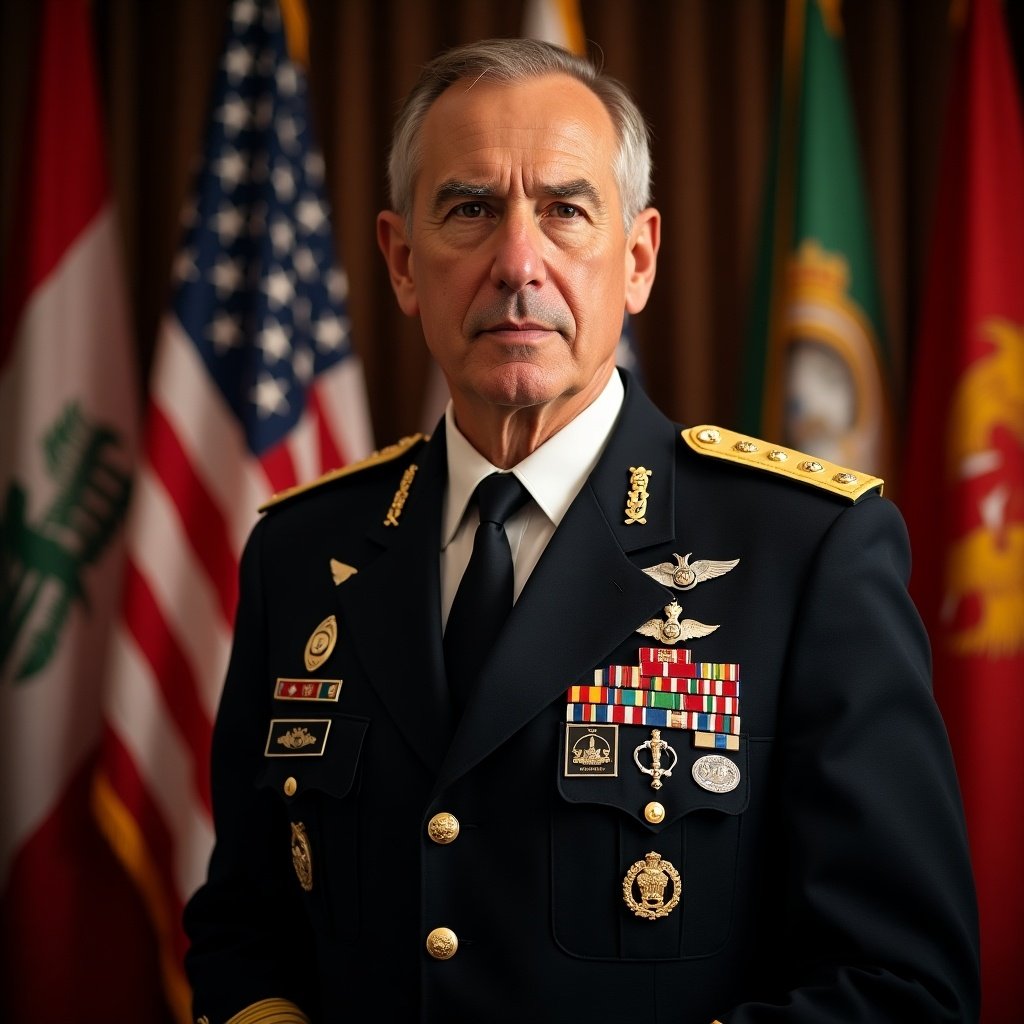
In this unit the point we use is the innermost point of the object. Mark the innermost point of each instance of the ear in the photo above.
(394, 244)
(642, 258)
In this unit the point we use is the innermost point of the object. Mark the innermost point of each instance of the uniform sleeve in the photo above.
(881, 915)
(250, 950)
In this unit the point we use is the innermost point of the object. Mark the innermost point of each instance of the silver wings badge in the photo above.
(672, 630)
(685, 575)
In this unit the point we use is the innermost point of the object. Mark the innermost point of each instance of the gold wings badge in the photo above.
(685, 575)
(672, 630)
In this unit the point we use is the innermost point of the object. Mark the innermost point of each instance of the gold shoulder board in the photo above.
(806, 469)
(392, 451)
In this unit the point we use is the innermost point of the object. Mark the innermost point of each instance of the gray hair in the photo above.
(517, 60)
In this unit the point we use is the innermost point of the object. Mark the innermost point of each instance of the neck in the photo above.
(505, 435)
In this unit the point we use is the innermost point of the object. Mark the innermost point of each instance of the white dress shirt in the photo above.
(553, 474)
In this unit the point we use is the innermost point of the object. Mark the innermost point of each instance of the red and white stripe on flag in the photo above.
(73, 936)
(254, 389)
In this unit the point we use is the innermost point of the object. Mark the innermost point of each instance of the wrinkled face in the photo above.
(518, 262)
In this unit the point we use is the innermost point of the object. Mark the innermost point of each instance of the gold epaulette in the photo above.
(392, 451)
(806, 469)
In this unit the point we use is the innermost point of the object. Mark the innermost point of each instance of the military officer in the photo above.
(568, 711)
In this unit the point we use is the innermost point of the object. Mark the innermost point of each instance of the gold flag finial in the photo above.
(296, 30)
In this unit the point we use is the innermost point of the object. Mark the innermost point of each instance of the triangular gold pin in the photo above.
(341, 572)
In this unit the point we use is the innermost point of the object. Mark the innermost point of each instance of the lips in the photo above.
(521, 332)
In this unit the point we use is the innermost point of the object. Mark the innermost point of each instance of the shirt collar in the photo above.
(553, 474)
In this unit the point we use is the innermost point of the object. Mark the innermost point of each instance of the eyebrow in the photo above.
(579, 188)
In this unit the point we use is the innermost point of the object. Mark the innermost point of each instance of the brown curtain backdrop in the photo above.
(703, 71)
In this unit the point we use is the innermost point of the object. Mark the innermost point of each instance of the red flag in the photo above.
(964, 481)
(74, 938)
(255, 388)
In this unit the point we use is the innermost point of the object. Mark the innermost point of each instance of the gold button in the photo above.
(442, 943)
(777, 455)
(845, 478)
(709, 436)
(443, 828)
(746, 446)
(654, 812)
(811, 466)
(290, 785)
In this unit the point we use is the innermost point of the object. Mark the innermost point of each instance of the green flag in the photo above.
(815, 370)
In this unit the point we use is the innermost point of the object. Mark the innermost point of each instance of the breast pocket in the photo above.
(643, 871)
(312, 765)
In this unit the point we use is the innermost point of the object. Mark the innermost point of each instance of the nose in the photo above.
(518, 255)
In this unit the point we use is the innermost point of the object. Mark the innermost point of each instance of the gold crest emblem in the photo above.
(983, 610)
(651, 877)
(672, 630)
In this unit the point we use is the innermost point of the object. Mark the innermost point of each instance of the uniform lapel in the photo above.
(393, 605)
(584, 598)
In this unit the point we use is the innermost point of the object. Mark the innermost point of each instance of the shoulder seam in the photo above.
(742, 449)
(388, 454)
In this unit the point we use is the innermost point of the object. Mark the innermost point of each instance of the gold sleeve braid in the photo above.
(266, 1011)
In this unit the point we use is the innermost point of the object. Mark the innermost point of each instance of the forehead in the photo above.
(550, 125)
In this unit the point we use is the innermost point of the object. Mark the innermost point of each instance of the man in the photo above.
(426, 816)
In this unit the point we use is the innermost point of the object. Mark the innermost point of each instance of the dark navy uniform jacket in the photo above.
(831, 885)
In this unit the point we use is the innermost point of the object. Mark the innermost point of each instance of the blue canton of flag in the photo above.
(257, 290)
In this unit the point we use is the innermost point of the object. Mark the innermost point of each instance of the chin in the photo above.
(520, 385)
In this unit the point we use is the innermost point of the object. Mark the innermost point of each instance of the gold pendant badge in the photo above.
(302, 858)
(651, 877)
(636, 497)
(321, 643)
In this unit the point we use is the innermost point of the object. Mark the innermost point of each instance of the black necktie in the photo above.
(484, 597)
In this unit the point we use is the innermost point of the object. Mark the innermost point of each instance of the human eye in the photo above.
(470, 211)
(566, 211)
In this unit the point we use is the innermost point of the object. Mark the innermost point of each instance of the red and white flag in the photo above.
(963, 491)
(255, 388)
(68, 425)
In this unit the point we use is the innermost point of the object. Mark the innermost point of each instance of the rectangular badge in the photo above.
(307, 689)
(297, 737)
(653, 660)
(628, 676)
(657, 717)
(715, 741)
(591, 750)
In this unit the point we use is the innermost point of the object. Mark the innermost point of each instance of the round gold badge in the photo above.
(442, 943)
(321, 643)
(443, 828)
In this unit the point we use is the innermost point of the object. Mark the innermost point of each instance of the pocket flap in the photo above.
(691, 779)
(327, 763)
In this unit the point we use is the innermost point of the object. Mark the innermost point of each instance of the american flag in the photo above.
(254, 388)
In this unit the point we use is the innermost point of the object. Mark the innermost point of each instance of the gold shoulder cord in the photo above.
(725, 444)
(392, 451)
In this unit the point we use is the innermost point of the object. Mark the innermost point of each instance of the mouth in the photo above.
(517, 333)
